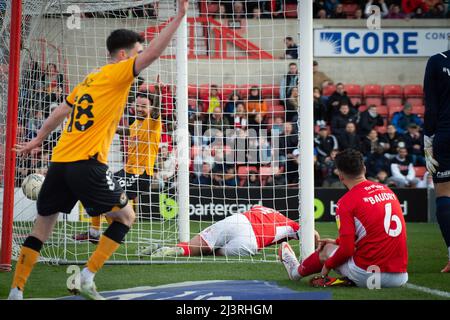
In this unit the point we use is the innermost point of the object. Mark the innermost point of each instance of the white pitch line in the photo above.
(435, 292)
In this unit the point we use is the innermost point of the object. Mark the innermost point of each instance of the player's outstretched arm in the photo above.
(54, 120)
(160, 43)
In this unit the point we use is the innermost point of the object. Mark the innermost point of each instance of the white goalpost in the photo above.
(223, 148)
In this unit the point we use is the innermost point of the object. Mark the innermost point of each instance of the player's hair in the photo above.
(122, 39)
(350, 162)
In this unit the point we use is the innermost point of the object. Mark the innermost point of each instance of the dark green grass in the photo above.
(426, 251)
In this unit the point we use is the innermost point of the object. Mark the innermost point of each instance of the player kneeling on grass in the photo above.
(237, 235)
(143, 144)
(372, 235)
(78, 169)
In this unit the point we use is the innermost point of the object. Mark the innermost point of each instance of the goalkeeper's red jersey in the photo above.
(369, 216)
(270, 226)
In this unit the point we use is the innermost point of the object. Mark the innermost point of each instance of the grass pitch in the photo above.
(427, 255)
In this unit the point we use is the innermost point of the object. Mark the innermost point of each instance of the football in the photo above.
(31, 185)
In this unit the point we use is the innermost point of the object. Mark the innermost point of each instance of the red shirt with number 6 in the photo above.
(372, 229)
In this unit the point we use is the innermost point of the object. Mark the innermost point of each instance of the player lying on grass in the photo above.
(78, 169)
(144, 136)
(372, 234)
(237, 235)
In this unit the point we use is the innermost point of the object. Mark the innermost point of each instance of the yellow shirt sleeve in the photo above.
(70, 100)
(123, 72)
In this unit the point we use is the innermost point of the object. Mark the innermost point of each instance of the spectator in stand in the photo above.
(217, 120)
(238, 10)
(288, 140)
(410, 6)
(34, 124)
(257, 125)
(166, 166)
(339, 121)
(368, 120)
(240, 116)
(230, 106)
(278, 125)
(292, 106)
(384, 11)
(320, 79)
(291, 51)
(214, 99)
(403, 173)
(322, 14)
(230, 179)
(358, 15)
(418, 14)
(221, 14)
(252, 180)
(370, 143)
(289, 81)
(255, 103)
(205, 177)
(292, 162)
(402, 119)
(330, 6)
(349, 139)
(278, 179)
(436, 12)
(391, 141)
(324, 143)
(51, 88)
(414, 144)
(395, 12)
(320, 108)
(377, 162)
(338, 98)
(330, 173)
(338, 12)
(383, 177)
(317, 6)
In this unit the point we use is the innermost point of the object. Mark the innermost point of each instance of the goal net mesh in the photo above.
(242, 130)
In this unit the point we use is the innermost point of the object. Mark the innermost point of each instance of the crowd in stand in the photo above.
(326, 9)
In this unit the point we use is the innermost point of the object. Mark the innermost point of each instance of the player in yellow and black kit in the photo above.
(144, 136)
(78, 169)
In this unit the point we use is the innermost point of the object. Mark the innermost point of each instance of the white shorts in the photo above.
(232, 236)
(365, 279)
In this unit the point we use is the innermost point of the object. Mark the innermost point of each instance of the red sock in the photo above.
(186, 249)
(310, 265)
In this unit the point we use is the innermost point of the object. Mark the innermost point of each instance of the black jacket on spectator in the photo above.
(377, 162)
(342, 99)
(320, 111)
(339, 122)
(349, 140)
(393, 142)
(411, 141)
(324, 146)
(367, 123)
(368, 147)
(288, 143)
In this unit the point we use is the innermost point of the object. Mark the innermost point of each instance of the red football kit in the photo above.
(371, 229)
(270, 226)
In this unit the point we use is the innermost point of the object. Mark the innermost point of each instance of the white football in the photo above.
(31, 185)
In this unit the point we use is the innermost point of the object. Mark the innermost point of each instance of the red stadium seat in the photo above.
(275, 111)
(390, 102)
(392, 91)
(203, 90)
(413, 91)
(383, 111)
(328, 90)
(227, 89)
(419, 110)
(373, 100)
(415, 101)
(270, 91)
(420, 171)
(192, 91)
(354, 92)
(372, 94)
(290, 10)
(350, 8)
(362, 108)
(394, 109)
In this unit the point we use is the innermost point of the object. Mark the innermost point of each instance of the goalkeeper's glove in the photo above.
(428, 149)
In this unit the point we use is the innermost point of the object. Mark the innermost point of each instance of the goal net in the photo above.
(241, 107)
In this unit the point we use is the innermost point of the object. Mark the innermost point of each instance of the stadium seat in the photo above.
(372, 94)
(350, 8)
(420, 171)
(270, 91)
(362, 108)
(203, 91)
(192, 91)
(275, 111)
(354, 92)
(419, 110)
(328, 90)
(392, 94)
(228, 89)
(414, 94)
(393, 102)
(290, 10)
(244, 89)
(383, 111)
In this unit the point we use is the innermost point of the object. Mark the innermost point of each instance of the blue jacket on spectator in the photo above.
(401, 121)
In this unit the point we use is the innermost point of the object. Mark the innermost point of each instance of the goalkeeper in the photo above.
(144, 136)
(237, 235)
(78, 169)
(437, 137)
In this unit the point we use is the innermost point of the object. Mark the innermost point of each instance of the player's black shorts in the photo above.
(441, 152)
(88, 181)
(133, 184)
